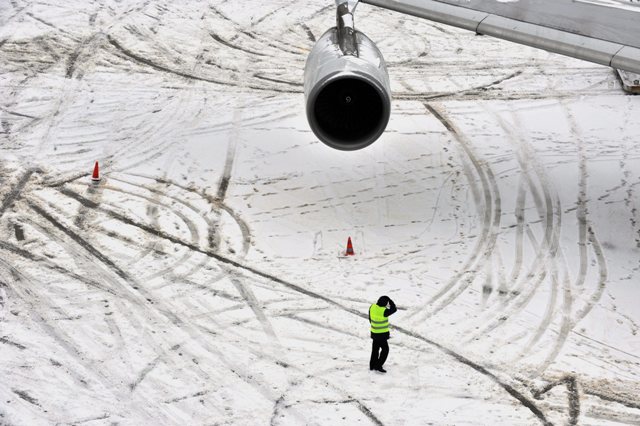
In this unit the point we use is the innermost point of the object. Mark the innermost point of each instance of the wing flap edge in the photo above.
(434, 11)
(628, 59)
(590, 49)
(552, 40)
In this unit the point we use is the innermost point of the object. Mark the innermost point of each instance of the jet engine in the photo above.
(346, 87)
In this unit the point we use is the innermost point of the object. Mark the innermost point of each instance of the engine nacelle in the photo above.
(348, 98)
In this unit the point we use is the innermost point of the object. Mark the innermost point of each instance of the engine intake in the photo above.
(348, 99)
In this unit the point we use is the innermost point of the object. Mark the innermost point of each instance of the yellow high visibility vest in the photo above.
(379, 323)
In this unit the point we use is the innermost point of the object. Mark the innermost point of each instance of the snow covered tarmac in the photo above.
(200, 282)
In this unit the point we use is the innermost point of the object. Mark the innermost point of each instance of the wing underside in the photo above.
(604, 35)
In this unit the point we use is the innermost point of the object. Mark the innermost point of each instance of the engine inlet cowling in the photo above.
(348, 99)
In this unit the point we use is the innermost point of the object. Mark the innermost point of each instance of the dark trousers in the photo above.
(379, 352)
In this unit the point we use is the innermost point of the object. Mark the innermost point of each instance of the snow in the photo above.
(202, 281)
(630, 5)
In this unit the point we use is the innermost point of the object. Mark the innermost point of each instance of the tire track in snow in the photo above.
(26, 397)
(115, 330)
(217, 205)
(619, 399)
(292, 315)
(17, 13)
(491, 94)
(152, 246)
(494, 229)
(193, 229)
(49, 24)
(165, 312)
(208, 288)
(466, 268)
(519, 242)
(131, 291)
(595, 297)
(91, 269)
(268, 15)
(463, 93)
(257, 349)
(544, 204)
(586, 233)
(526, 402)
(359, 405)
(214, 231)
(307, 30)
(159, 67)
(495, 319)
(581, 202)
(270, 49)
(545, 210)
(20, 287)
(491, 220)
(279, 44)
(14, 194)
(4, 340)
(256, 36)
(155, 307)
(241, 267)
(629, 200)
(503, 287)
(573, 396)
(230, 45)
(550, 309)
(118, 18)
(213, 201)
(567, 323)
(518, 299)
(45, 262)
(172, 268)
(147, 369)
(521, 295)
(72, 60)
(159, 137)
(278, 109)
(80, 241)
(252, 301)
(180, 200)
(93, 368)
(225, 179)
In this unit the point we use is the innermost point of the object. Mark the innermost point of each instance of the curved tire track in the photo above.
(519, 396)
(491, 220)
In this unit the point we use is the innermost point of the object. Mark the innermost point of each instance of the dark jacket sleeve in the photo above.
(391, 309)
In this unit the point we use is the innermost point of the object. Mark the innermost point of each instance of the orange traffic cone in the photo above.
(349, 248)
(96, 173)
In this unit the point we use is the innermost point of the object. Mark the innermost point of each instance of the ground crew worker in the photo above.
(378, 318)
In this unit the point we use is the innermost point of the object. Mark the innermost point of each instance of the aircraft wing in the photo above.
(582, 29)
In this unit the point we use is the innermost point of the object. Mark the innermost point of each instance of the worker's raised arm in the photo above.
(391, 309)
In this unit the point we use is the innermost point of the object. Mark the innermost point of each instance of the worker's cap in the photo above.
(383, 301)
